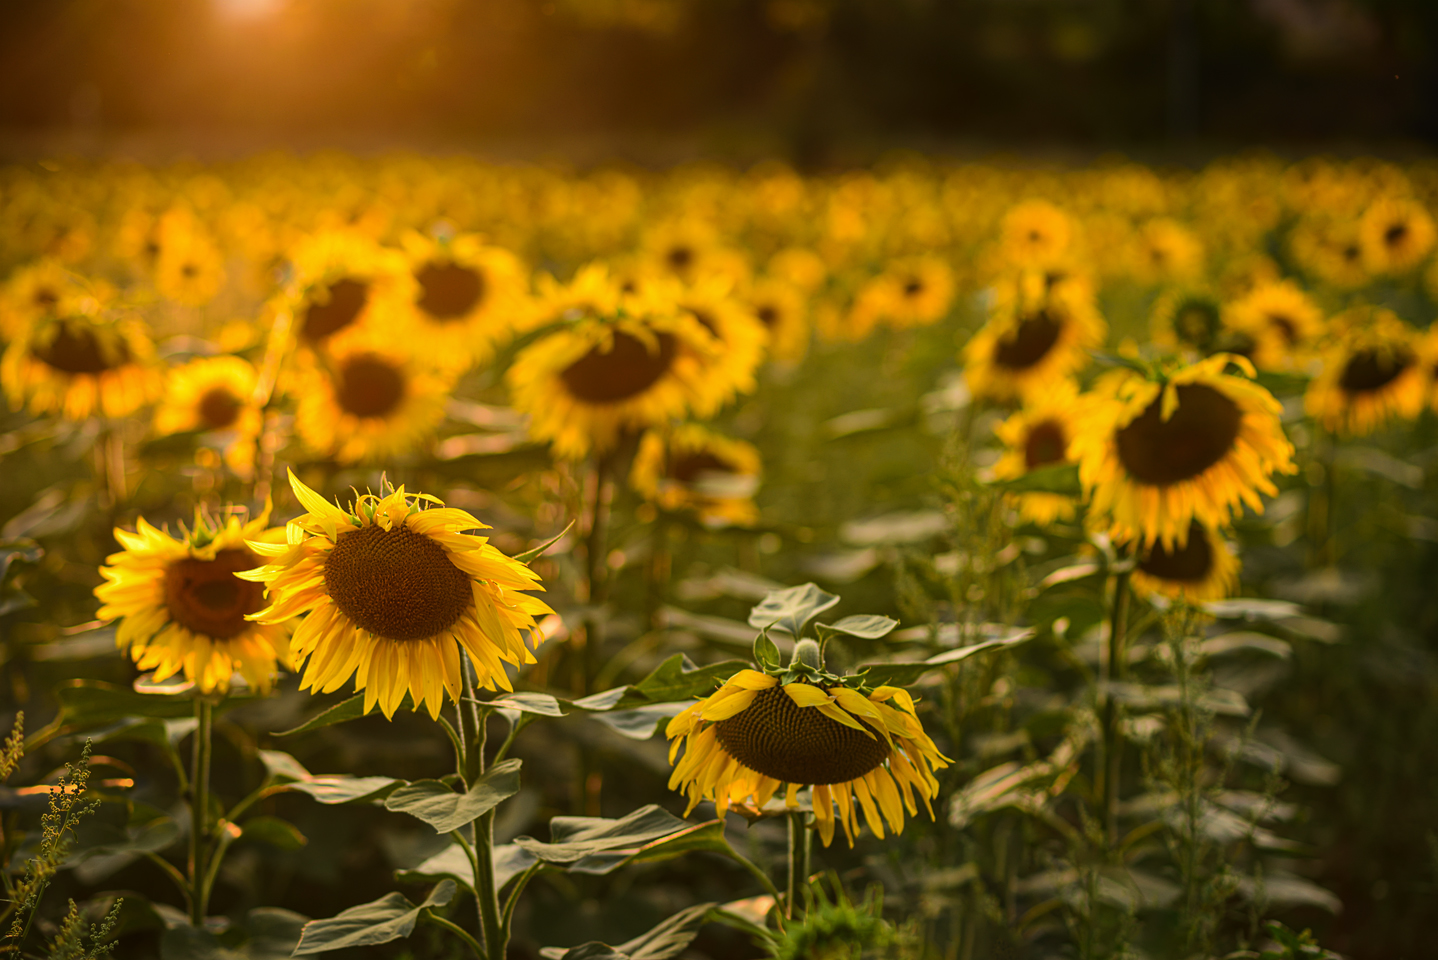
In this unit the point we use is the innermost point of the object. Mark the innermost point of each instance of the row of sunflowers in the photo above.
(1097, 372)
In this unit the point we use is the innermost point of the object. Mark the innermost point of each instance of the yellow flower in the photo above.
(368, 400)
(40, 290)
(214, 394)
(80, 364)
(753, 735)
(183, 609)
(190, 268)
(781, 308)
(1371, 373)
(1167, 251)
(1281, 321)
(1395, 235)
(343, 283)
(1189, 321)
(694, 468)
(1329, 249)
(1037, 333)
(1204, 568)
(689, 250)
(910, 293)
(799, 267)
(1035, 233)
(394, 589)
(1039, 435)
(469, 298)
(740, 339)
(1195, 443)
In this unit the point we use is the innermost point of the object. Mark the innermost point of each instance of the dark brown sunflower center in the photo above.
(1395, 234)
(76, 349)
(913, 287)
(205, 597)
(1029, 342)
(342, 304)
(1285, 326)
(780, 739)
(1351, 253)
(396, 583)
(691, 466)
(626, 370)
(45, 298)
(1370, 370)
(768, 315)
(680, 257)
(1191, 563)
(1045, 444)
(190, 271)
(1196, 324)
(218, 408)
(449, 291)
(1200, 433)
(369, 386)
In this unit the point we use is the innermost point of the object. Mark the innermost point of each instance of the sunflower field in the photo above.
(414, 556)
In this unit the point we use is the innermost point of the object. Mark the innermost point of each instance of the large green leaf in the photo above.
(277, 833)
(869, 626)
(790, 609)
(267, 933)
(902, 674)
(1060, 478)
(707, 837)
(380, 921)
(668, 939)
(509, 862)
(679, 679)
(339, 788)
(351, 709)
(640, 722)
(440, 807)
(574, 838)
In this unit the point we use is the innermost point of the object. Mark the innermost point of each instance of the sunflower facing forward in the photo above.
(1159, 450)
(804, 727)
(1039, 436)
(1041, 331)
(468, 297)
(214, 395)
(1204, 568)
(80, 364)
(183, 608)
(1371, 373)
(394, 589)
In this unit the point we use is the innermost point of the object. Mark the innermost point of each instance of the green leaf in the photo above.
(790, 609)
(707, 837)
(540, 703)
(869, 626)
(91, 703)
(903, 674)
(678, 679)
(440, 807)
(343, 789)
(766, 653)
(351, 709)
(535, 552)
(640, 722)
(267, 933)
(1061, 478)
(574, 838)
(277, 833)
(281, 766)
(509, 862)
(668, 939)
(597, 702)
(388, 918)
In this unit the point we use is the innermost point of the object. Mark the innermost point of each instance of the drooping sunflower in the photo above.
(80, 364)
(1395, 235)
(761, 731)
(1204, 568)
(368, 400)
(468, 297)
(693, 468)
(781, 308)
(393, 589)
(599, 375)
(1039, 435)
(1158, 450)
(216, 395)
(183, 608)
(909, 293)
(1371, 372)
(1281, 321)
(1038, 333)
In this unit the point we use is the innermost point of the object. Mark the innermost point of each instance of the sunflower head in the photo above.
(393, 588)
(1373, 371)
(694, 468)
(802, 726)
(183, 609)
(1191, 321)
(1038, 332)
(1204, 568)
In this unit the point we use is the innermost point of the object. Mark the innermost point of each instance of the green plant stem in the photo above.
(457, 930)
(759, 875)
(799, 846)
(174, 874)
(1112, 740)
(200, 808)
(486, 894)
(596, 562)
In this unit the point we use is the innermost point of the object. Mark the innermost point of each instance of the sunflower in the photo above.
(368, 400)
(394, 589)
(910, 293)
(1167, 251)
(184, 609)
(36, 291)
(689, 250)
(781, 308)
(1159, 450)
(1037, 436)
(1035, 233)
(759, 731)
(694, 468)
(1204, 568)
(1371, 372)
(1281, 321)
(1395, 235)
(79, 364)
(189, 268)
(799, 267)
(1330, 250)
(468, 297)
(599, 375)
(740, 338)
(343, 282)
(1037, 333)
(1190, 320)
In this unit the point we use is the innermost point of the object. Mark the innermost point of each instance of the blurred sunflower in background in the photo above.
(1395, 235)
(799, 267)
(1165, 251)
(1158, 450)
(215, 395)
(1035, 233)
(1039, 435)
(1037, 333)
(741, 339)
(909, 293)
(690, 467)
(1204, 568)
(755, 734)
(183, 611)
(1330, 250)
(1282, 323)
(80, 364)
(37, 291)
(189, 268)
(689, 250)
(780, 307)
(341, 282)
(368, 399)
(394, 588)
(1371, 373)
(468, 298)
(1190, 321)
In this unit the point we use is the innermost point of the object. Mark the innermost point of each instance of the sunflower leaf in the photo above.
(540, 703)
(766, 652)
(509, 862)
(790, 609)
(440, 807)
(351, 709)
(668, 939)
(390, 917)
(868, 626)
(341, 789)
(574, 838)
(678, 679)
(640, 722)
(903, 674)
(1061, 478)
(536, 552)
(707, 837)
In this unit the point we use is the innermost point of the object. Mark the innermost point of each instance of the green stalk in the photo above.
(596, 562)
(486, 894)
(200, 809)
(799, 846)
(1112, 740)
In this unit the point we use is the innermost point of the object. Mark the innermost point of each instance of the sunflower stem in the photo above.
(486, 894)
(199, 809)
(799, 846)
(1112, 758)
(596, 559)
